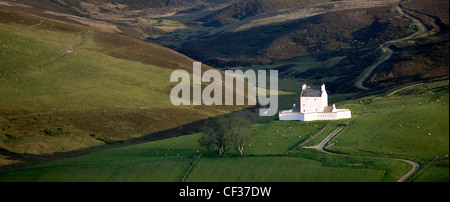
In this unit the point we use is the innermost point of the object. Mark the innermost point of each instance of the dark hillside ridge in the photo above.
(66, 6)
(326, 32)
(421, 58)
(140, 4)
(74, 6)
(248, 8)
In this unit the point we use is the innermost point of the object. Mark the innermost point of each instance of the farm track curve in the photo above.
(360, 85)
(321, 147)
(386, 45)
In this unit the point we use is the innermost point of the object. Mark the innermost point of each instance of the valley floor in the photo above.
(381, 131)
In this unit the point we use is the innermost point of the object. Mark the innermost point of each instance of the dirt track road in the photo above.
(385, 47)
(322, 144)
(412, 171)
(385, 57)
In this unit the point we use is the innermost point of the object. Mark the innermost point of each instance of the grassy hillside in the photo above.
(67, 87)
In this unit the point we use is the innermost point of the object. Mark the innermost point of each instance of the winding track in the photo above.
(359, 84)
(412, 171)
(322, 144)
(385, 47)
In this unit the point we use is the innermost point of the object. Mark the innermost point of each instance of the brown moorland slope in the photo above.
(248, 8)
(326, 32)
(421, 58)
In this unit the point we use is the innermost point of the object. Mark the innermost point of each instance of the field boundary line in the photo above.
(188, 171)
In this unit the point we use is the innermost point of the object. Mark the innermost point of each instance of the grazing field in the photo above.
(165, 160)
(295, 169)
(275, 137)
(267, 159)
(398, 127)
(169, 160)
(413, 126)
(385, 127)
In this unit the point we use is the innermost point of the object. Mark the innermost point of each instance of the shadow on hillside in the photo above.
(29, 160)
(26, 160)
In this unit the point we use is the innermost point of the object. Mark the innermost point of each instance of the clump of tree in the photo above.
(222, 133)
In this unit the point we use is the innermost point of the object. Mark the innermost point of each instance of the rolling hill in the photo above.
(77, 5)
(420, 58)
(320, 33)
(248, 8)
(68, 87)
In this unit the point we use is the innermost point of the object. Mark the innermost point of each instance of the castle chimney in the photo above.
(323, 87)
(303, 86)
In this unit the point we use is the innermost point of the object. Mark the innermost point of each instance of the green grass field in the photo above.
(169, 160)
(399, 127)
(277, 138)
(295, 169)
(374, 140)
(414, 128)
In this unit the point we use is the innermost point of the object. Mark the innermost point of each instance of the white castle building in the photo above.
(313, 106)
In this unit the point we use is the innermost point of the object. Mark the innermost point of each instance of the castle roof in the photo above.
(311, 92)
